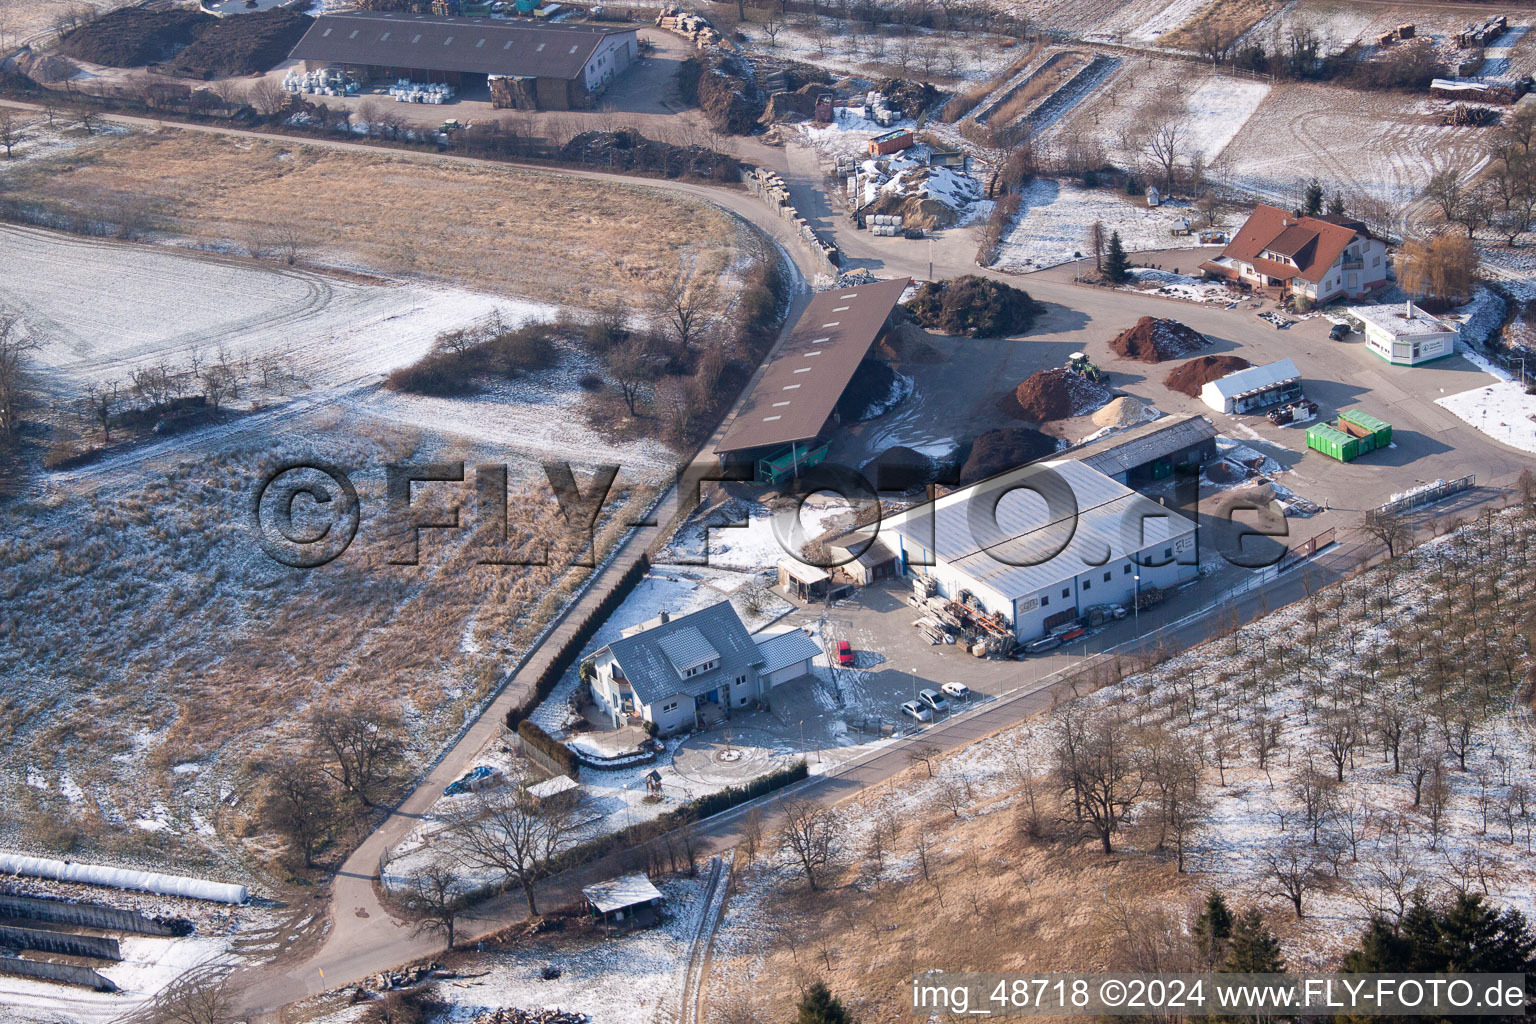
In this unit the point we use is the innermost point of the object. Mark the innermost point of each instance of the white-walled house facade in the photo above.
(676, 672)
(1319, 258)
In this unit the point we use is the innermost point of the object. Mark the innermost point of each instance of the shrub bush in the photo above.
(461, 358)
(975, 306)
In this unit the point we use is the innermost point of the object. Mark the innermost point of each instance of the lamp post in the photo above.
(1136, 605)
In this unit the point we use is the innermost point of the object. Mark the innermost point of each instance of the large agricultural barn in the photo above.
(557, 67)
(1044, 542)
(781, 427)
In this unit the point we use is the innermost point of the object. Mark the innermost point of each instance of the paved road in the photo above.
(363, 939)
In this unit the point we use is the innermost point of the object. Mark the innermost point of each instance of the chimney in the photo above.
(663, 619)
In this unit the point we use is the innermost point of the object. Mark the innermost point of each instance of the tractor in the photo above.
(1080, 364)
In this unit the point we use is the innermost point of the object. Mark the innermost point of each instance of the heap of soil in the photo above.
(908, 343)
(243, 45)
(725, 88)
(46, 68)
(900, 469)
(1124, 411)
(869, 392)
(1154, 340)
(1057, 395)
(132, 37)
(627, 149)
(1189, 378)
(999, 450)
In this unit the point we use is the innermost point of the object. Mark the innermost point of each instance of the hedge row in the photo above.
(535, 736)
(703, 807)
(571, 649)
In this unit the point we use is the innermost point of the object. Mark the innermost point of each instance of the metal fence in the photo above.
(1438, 491)
(66, 943)
(69, 974)
(1302, 552)
(88, 915)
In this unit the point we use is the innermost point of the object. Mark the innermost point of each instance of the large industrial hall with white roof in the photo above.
(766, 511)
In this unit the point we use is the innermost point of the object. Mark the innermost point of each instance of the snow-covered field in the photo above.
(1055, 217)
(105, 309)
(1384, 145)
(149, 964)
(1503, 411)
(1218, 109)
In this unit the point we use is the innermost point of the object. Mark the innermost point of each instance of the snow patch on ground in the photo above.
(1503, 411)
(1218, 109)
(1055, 217)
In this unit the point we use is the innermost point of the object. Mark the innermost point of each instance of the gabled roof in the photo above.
(785, 649)
(1313, 242)
(470, 45)
(686, 648)
(801, 383)
(1053, 521)
(1126, 449)
(1254, 378)
(649, 658)
(621, 893)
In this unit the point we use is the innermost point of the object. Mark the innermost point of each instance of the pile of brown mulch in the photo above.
(1154, 340)
(1189, 378)
(1057, 395)
(997, 451)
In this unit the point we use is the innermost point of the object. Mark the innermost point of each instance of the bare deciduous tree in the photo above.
(300, 805)
(1094, 764)
(362, 742)
(509, 832)
(434, 901)
(16, 341)
(809, 835)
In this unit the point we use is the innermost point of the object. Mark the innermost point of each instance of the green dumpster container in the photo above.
(1381, 430)
(1333, 442)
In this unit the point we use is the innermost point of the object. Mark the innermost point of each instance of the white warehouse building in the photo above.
(1044, 542)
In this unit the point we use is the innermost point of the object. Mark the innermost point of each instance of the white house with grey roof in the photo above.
(680, 672)
(1043, 542)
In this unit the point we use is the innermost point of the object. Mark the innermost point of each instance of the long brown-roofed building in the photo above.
(795, 400)
(561, 66)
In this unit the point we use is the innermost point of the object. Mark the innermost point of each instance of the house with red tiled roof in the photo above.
(1321, 258)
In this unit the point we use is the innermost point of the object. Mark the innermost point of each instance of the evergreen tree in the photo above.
(1336, 205)
(1314, 199)
(1213, 930)
(1466, 936)
(1254, 948)
(1116, 266)
(819, 1006)
(1476, 938)
(1382, 950)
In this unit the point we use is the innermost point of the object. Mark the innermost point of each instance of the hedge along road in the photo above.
(363, 938)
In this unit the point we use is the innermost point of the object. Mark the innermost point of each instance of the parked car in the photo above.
(1338, 332)
(844, 653)
(934, 699)
(913, 709)
(956, 691)
(1045, 643)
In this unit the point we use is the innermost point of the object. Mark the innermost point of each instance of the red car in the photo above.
(844, 653)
